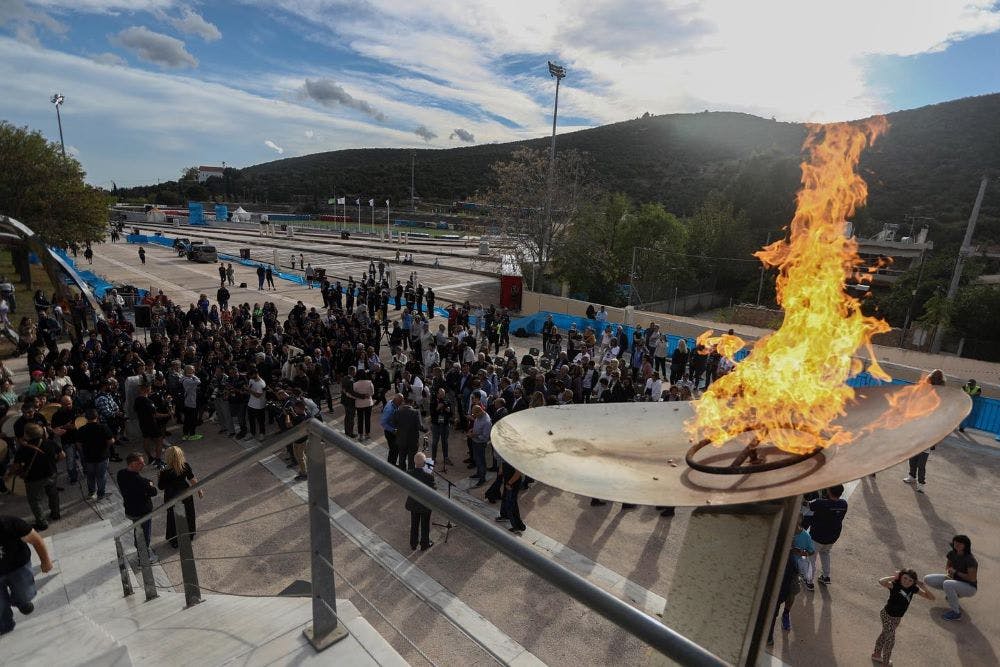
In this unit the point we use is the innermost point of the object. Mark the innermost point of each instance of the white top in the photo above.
(366, 391)
(257, 387)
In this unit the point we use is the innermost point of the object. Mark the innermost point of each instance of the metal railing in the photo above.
(325, 629)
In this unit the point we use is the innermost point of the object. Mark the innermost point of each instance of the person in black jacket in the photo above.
(36, 461)
(420, 515)
(137, 495)
(409, 426)
(174, 480)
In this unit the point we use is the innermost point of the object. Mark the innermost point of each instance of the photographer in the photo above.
(442, 412)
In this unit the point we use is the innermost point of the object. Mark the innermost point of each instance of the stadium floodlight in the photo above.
(58, 100)
(558, 71)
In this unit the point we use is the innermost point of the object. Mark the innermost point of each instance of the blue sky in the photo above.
(153, 86)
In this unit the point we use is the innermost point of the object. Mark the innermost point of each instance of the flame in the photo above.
(727, 344)
(907, 403)
(795, 379)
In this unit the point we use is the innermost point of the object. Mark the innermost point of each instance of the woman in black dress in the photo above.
(174, 479)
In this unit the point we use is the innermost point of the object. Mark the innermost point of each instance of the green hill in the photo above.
(929, 163)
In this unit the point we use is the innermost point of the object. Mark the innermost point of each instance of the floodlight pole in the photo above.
(963, 253)
(558, 72)
(57, 100)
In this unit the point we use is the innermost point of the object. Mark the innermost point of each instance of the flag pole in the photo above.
(387, 230)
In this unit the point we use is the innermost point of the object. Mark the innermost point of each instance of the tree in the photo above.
(520, 198)
(720, 245)
(596, 255)
(46, 191)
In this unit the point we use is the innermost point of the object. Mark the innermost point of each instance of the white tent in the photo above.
(155, 215)
(241, 215)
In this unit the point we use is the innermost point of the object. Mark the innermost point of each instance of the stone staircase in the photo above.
(81, 618)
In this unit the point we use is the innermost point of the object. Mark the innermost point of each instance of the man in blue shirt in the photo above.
(385, 421)
(827, 521)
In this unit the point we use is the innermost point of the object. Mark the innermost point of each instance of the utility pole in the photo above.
(631, 277)
(963, 253)
(58, 100)
(413, 205)
(760, 283)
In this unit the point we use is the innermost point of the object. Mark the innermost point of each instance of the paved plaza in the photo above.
(461, 603)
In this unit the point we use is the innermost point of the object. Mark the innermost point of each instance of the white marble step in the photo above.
(57, 637)
(364, 646)
(83, 618)
(88, 562)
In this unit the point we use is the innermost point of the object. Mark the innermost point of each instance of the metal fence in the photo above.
(326, 627)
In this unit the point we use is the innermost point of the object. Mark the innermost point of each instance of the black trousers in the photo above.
(190, 420)
(918, 466)
(172, 521)
(420, 529)
(256, 419)
(390, 440)
(365, 420)
(349, 411)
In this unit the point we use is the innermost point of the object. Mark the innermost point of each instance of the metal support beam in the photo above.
(324, 631)
(145, 566)
(189, 569)
(123, 568)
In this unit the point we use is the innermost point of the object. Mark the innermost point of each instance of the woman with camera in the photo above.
(365, 390)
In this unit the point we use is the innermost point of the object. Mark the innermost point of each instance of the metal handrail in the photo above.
(651, 631)
(248, 457)
(646, 628)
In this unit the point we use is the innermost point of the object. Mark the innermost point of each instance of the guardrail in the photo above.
(325, 629)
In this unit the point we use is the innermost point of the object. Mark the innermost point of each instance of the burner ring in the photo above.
(749, 452)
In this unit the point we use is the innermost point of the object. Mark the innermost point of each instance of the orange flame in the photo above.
(795, 379)
(726, 344)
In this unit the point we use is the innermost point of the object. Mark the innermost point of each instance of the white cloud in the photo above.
(193, 23)
(787, 58)
(274, 147)
(23, 21)
(117, 143)
(309, 134)
(155, 47)
(108, 58)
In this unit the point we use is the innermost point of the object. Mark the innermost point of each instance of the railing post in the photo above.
(145, 566)
(122, 568)
(324, 631)
(189, 569)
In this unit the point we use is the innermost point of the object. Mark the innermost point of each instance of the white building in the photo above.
(205, 173)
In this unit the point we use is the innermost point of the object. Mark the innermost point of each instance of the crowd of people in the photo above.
(104, 395)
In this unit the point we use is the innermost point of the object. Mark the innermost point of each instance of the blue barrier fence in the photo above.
(985, 415)
(98, 285)
(290, 277)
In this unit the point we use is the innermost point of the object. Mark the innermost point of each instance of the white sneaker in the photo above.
(920, 487)
(909, 480)
(92, 496)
